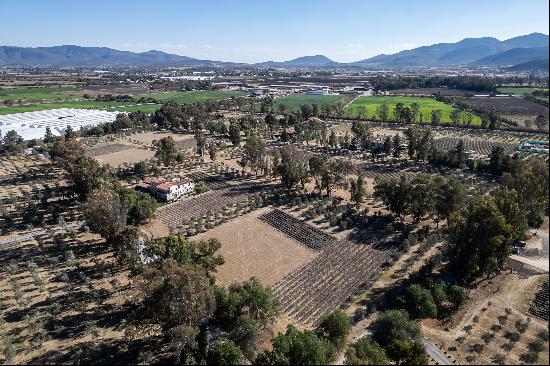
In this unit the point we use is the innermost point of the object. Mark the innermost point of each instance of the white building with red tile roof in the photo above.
(167, 190)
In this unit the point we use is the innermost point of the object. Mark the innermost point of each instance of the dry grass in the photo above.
(61, 298)
(148, 137)
(501, 302)
(252, 248)
(129, 156)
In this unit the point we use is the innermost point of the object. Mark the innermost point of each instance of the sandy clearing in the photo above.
(486, 302)
(253, 248)
(148, 137)
(126, 156)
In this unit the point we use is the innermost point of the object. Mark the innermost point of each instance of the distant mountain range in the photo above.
(304, 61)
(65, 56)
(484, 51)
(531, 49)
(536, 65)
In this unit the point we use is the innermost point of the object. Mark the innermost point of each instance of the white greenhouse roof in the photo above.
(32, 125)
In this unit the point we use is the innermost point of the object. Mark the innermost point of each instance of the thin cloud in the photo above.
(169, 45)
(400, 47)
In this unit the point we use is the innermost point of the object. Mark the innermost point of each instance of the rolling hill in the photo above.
(69, 55)
(514, 56)
(485, 51)
(304, 61)
(536, 65)
(469, 51)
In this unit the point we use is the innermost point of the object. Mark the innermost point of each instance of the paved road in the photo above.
(538, 261)
(436, 353)
(544, 238)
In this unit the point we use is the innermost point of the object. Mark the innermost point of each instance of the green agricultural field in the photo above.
(83, 104)
(426, 106)
(193, 96)
(294, 101)
(38, 93)
(520, 91)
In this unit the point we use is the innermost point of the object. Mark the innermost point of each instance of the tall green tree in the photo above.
(421, 198)
(174, 298)
(86, 174)
(436, 117)
(415, 110)
(225, 353)
(449, 197)
(419, 302)
(297, 348)
(334, 175)
(387, 146)
(11, 143)
(358, 189)
(186, 252)
(167, 150)
(104, 213)
(383, 112)
(293, 166)
(400, 337)
(201, 142)
(480, 239)
(336, 328)
(362, 134)
(255, 154)
(139, 206)
(366, 352)
(455, 117)
(235, 133)
(395, 193)
(396, 143)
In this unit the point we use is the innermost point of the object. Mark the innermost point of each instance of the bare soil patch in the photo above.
(479, 332)
(128, 156)
(508, 105)
(430, 91)
(148, 137)
(252, 248)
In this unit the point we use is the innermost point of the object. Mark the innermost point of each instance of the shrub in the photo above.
(457, 296)
(543, 334)
(495, 328)
(529, 357)
(366, 352)
(9, 351)
(521, 327)
(507, 346)
(225, 353)
(536, 346)
(336, 328)
(512, 336)
(478, 348)
(487, 337)
(419, 302)
(499, 359)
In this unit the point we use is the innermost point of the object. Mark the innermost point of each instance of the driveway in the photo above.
(27, 236)
(436, 353)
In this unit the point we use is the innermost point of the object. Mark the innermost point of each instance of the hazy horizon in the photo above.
(250, 32)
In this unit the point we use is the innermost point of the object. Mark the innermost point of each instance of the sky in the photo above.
(261, 30)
